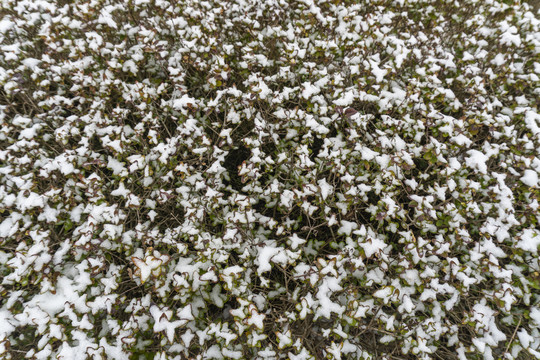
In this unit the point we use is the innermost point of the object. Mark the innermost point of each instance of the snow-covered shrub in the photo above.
(273, 179)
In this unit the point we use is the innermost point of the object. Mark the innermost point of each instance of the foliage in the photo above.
(269, 179)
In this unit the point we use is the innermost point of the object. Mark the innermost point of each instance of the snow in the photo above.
(31, 63)
(256, 319)
(326, 305)
(325, 188)
(263, 90)
(477, 160)
(296, 241)
(363, 308)
(284, 339)
(287, 198)
(385, 294)
(310, 90)
(6, 323)
(530, 178)
(529, 240)
(5, 25)
(346, 99)
(32, 200)
(116, 166)
(347, 227)
(535, 315)
(462, 140)
(511, 37)
(525, 338)
(106, 18)
(315, 126)
(120, 191)
(29, 133)
(162, 320)
(498, 60)
(183, 102)
(264, 257)
(372, 246)
(146, 266)
(122, 155)
(367, 154)
(532, 120)
(378, 72)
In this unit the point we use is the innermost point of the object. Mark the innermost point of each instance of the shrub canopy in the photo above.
(272, 179)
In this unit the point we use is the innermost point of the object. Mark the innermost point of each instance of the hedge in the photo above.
(242, 179)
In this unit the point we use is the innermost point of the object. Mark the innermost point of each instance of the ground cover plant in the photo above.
(241, 179)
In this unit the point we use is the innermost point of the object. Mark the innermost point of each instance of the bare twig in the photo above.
(513, 335)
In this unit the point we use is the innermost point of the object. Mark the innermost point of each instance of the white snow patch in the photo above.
(372, 246)
(530, 178)
(266, 254)
(5, 25)
(529, 241)
(461, 140)
(346, 100)
(326, 188)
(477, 160)
(309, 90)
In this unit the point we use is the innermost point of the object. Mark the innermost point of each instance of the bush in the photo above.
(269, 179)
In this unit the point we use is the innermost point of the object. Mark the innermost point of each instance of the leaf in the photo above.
(350, 112)
(68, 225)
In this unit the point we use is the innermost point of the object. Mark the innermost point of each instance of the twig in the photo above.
(513, 336)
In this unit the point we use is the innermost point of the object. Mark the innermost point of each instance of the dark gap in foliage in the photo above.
(269, 148)
(309, 331)
(242, 130)
(59, 232)
(18, 104)
(132, 220)
(315, 147)
(333, 131)
(215, 227)
(169, 124)
(373, 198)
(364, 216)
(31, 289)
(132, 118)
(44, 184)
(290, 104)
(214, 313)
(233, 259)
(282, 277)
(447, 353)
(23, 339)
(195, 82)
(480, 133)
(105, 172)
(233, 160)
(449, 111)
(223, 313)
(268, 175)
(127, 290)
(170, 215)
(298, 217)
(397, 246)
(420, 166)
(370, 339)
(214, 123)
(325, 241)
(261, 207)
(96, 145)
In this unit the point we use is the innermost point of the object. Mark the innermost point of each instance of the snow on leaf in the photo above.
(530, 178)
(477, 160)
(529, 240)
